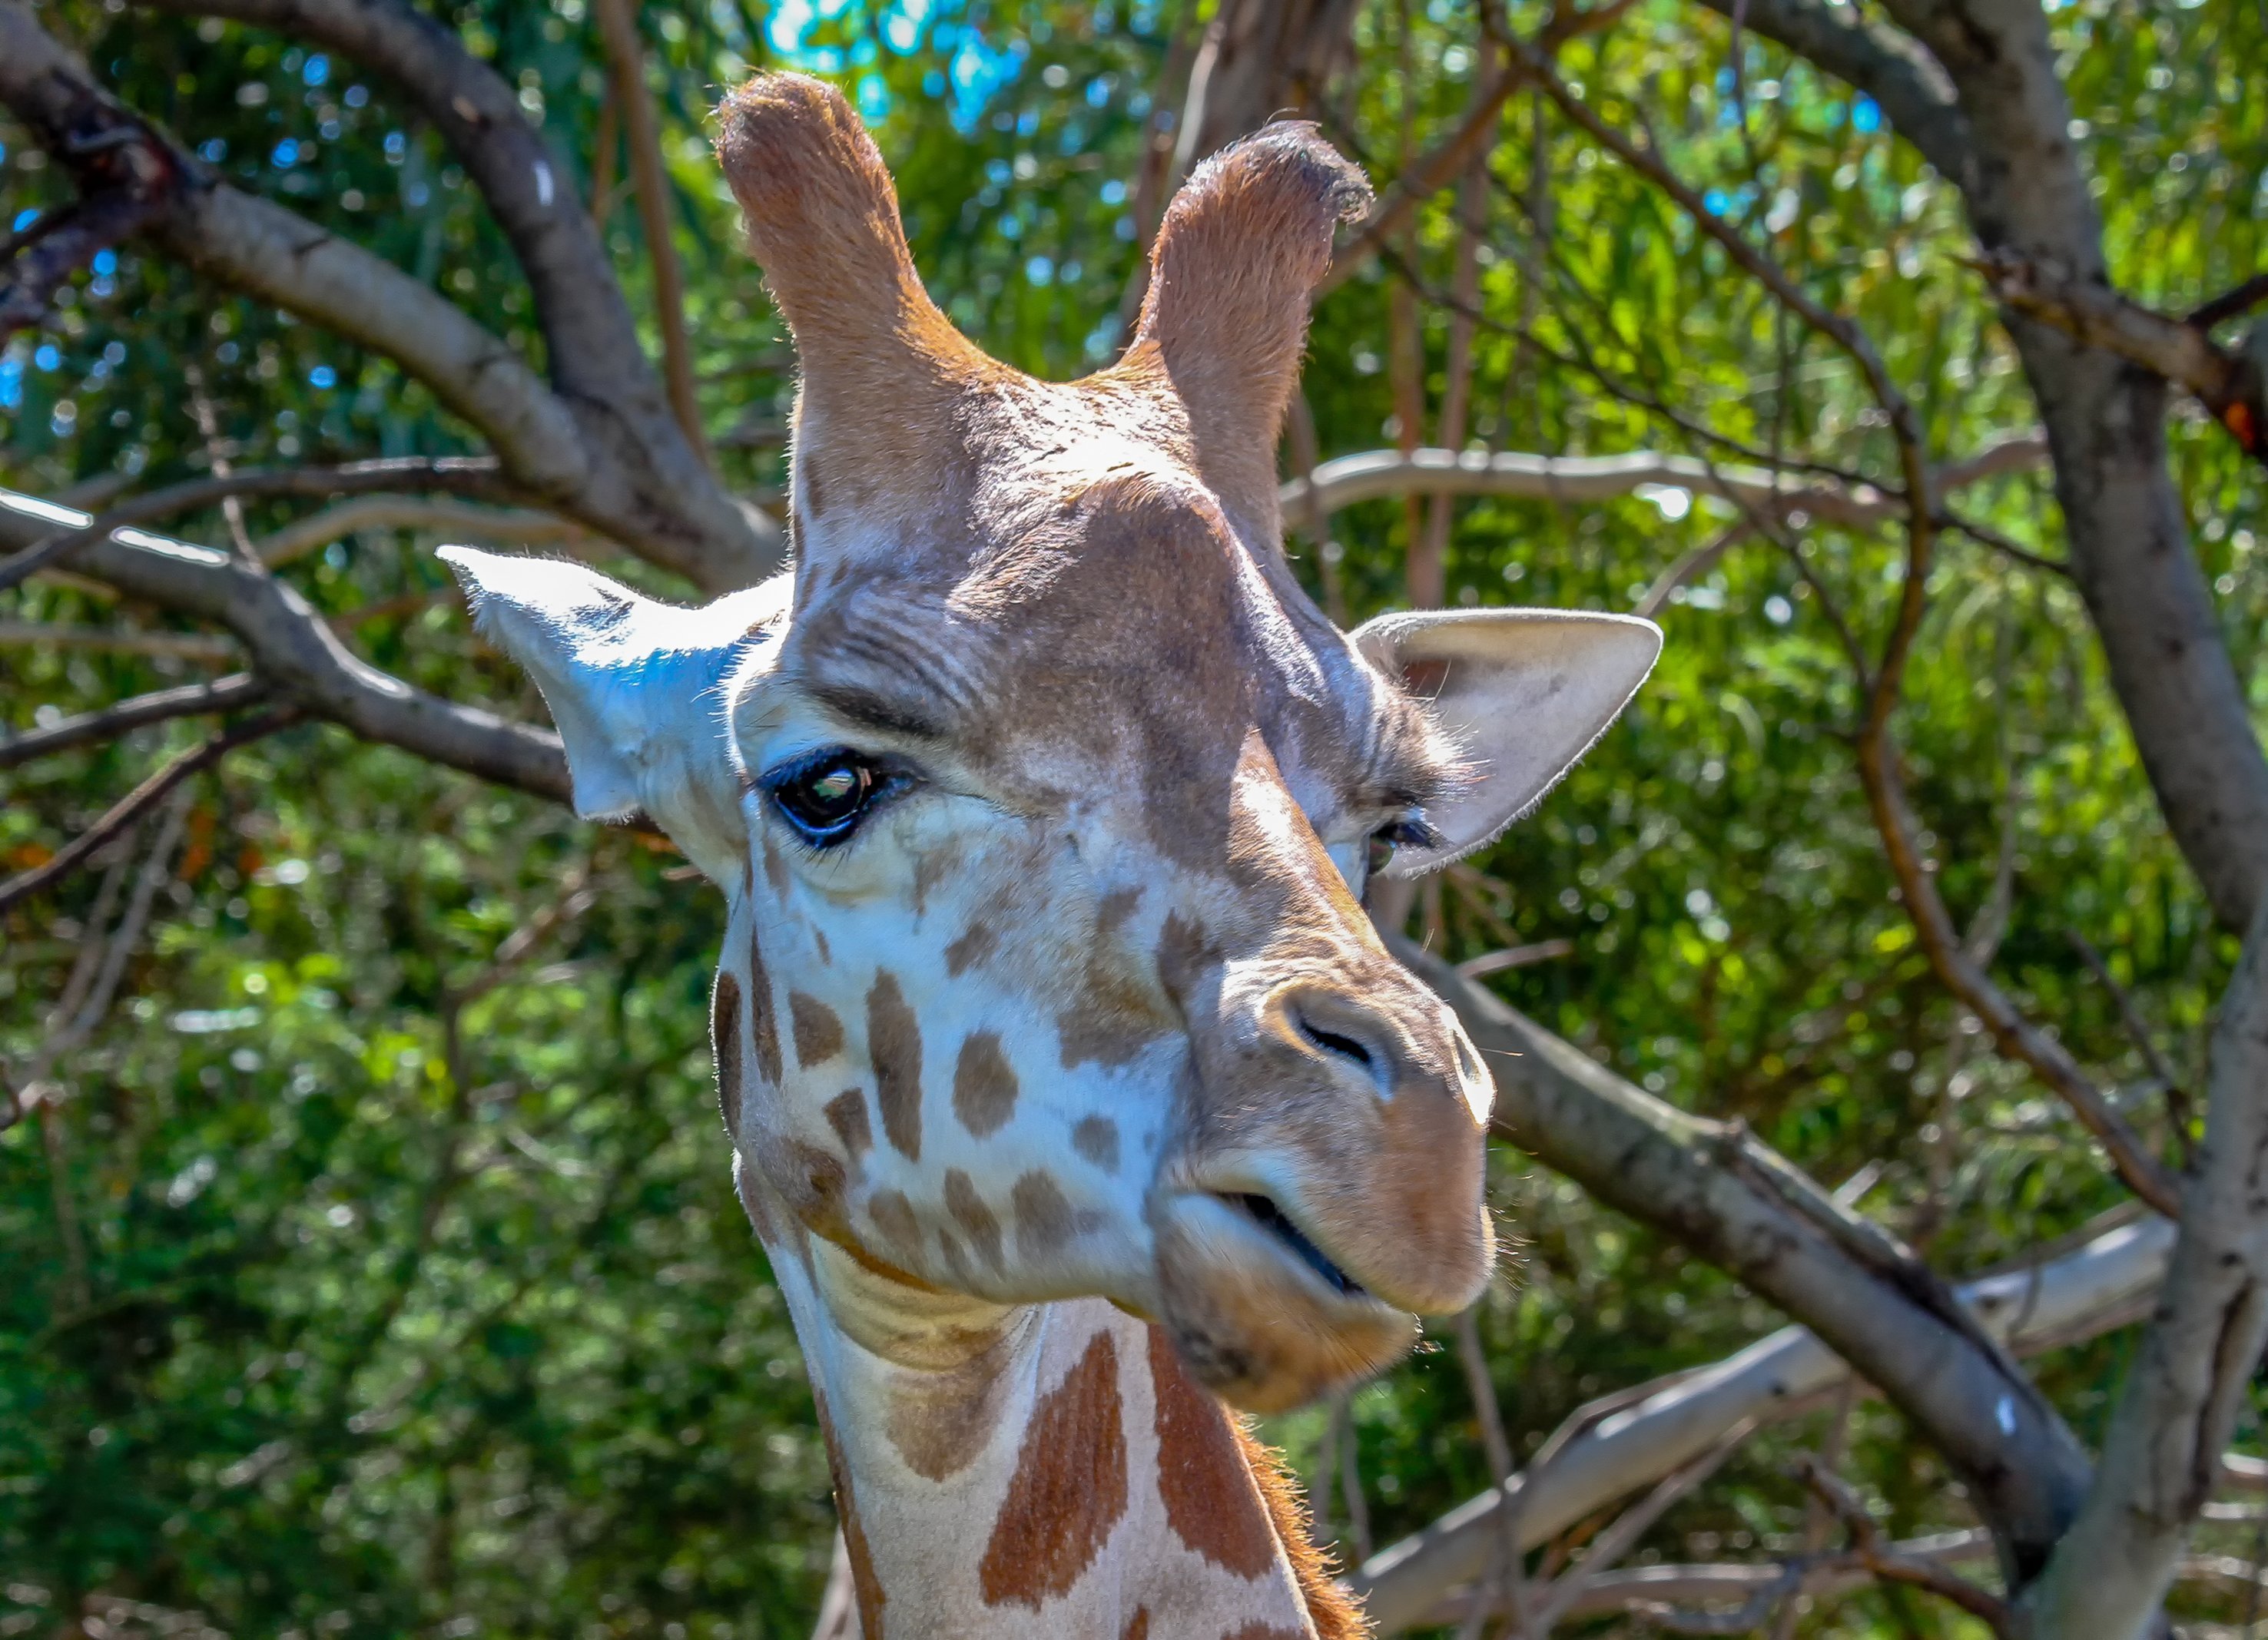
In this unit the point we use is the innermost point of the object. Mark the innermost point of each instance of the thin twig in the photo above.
(626, 68)
(476, 476)
(2177, 1098)
(223, 695)
(134, 802)
(1887, 1560)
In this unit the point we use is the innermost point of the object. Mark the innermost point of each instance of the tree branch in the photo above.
(1371, 474)
(296, 651)
(135, 804)
(626, 71)
(2162, 1456)
(2105, 1281)
(225, 694)
(464, 475)
(2025, 1471)
(602, 448)
(1911, 87)
(518, 528)
(2233, 385)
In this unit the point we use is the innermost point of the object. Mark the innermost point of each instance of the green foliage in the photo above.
(364, 1285)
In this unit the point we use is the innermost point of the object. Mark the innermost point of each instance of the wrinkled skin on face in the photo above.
(1045, 798)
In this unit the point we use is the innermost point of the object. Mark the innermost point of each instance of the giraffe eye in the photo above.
(1389, 839)
(825, 795)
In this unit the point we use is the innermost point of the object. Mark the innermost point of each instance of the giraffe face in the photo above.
(1045, 799)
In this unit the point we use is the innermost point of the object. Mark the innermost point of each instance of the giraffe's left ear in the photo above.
(637, 689)
(1524, 693)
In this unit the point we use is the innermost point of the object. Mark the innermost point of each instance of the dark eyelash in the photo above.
(1411, 831)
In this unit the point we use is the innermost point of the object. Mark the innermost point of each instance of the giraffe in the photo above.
(1067, 1085)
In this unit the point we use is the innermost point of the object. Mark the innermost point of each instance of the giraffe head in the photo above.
(1046, 800)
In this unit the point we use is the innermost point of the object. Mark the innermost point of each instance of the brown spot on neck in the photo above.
(1096, 1139)
(766, 1029)
(894, 1043)
(846, 1113)
(1068, 1488)
(724, 1038)
(971, 950)
(940, 1420)
(1138, 1627)
(1212, 1501)
(818, 1032)
(983, 1084)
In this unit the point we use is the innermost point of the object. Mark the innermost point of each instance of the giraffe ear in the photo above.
(1523, 692)
(636, 687)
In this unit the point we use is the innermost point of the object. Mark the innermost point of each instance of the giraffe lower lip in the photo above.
(1271, 1218)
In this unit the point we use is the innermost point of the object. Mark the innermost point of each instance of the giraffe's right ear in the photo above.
(637, 689)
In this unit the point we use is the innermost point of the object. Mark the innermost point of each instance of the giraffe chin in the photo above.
(1260, 1317)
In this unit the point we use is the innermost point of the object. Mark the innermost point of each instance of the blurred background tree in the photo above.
(371, 1263)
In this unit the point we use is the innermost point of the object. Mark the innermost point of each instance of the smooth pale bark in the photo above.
(1709, 1186)
(2106, 1282)
(2162, 1456)
(1371, 474)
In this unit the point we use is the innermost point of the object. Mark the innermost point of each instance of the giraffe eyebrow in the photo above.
(873, 708)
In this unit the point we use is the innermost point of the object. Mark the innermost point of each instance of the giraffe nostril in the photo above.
(1332, 1042)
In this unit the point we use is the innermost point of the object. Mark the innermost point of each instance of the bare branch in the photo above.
(464, 475)
(2106, 1279)
(603, 448)
(1885, 1560)
(1966, 978)
(131, 807)
(2162, 1456)
(2230, 304)
(2025, 1471)
(2177, 1099)
(225, 694)
(211, 648)
(626, 74)
(1371, 474)
(517, 527)
(2233, 385)
(299, 654)
(1514, 957)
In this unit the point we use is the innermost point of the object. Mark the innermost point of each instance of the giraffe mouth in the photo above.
(1264, 1212)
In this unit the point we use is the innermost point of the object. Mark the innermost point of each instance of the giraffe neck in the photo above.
(1038, 1470)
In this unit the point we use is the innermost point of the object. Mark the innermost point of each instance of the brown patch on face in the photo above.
(983, 1084)
(1068, 1488)
(864, 1583)
(1211, 1500)
(1257, 1631)
(760, 1014)
(1138, 1627)
(724, 1039)
(894, 1043)
(893, 1216)
(1115, 908)
(846, 1113)
(969, 1212)
(819, 939)
(1096, 1138)
(818, 1032)
(813, 495)
(813, 1186)
(775, 869)
(1044, 1222)
(971, 950)
(1185, 950)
